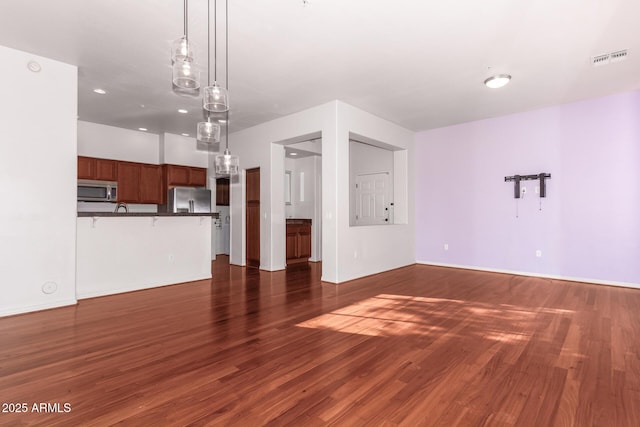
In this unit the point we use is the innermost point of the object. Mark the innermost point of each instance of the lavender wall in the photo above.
(589, 225)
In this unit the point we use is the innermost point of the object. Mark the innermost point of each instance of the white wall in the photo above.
(181, 150)
(131, 253)
(368, 249)
(256, 148)
(38, 116)
(346, 253)
(109, 142)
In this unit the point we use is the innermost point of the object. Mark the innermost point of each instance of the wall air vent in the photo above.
(609, 58)
(599, 60)
(619, 55)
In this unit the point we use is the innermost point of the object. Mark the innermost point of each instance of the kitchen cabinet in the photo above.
(86, 167)
(176, 175)
(141, 182)
(222, 192)
(128, 182)
(298, 241)
(151, 184)
(99, 169)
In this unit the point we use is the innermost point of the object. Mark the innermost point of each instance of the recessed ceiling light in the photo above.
(293, 154)
(185, 134)
(183, 111)
(100, 91)
(495, 82)
(143, 129)
(222, 121)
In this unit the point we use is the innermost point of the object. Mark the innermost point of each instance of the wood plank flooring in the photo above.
(415, 346)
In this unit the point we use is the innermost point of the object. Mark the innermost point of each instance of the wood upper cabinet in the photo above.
(198, 177)
(86, 167)
(141, 182)
(100, 169)
(151, 184)
(177, 175)
(106, 170)
(298, 242)
(129, 182)
(222, 192)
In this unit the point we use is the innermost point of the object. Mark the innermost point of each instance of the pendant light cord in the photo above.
(226, 28)
(209, 43)
(186, 13)
(215, 43)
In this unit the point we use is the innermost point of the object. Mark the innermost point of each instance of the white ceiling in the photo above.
(420, 64)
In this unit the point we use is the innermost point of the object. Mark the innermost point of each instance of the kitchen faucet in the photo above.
(121, 205)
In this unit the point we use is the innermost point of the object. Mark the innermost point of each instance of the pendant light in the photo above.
(208, 133)
(226, 163)
(186, 75)
(216, 98)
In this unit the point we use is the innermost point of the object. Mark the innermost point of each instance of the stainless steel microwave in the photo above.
(97, 191)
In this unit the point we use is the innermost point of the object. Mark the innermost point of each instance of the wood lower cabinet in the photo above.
(298, 241)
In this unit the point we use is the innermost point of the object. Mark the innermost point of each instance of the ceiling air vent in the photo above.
(619, 55)
(599, 60)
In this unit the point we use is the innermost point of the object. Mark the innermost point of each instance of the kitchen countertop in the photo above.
(148, 214)
(298, 221)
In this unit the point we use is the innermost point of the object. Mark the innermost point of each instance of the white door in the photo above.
(372, 199)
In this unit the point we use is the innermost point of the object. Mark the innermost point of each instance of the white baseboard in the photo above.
(36, 307)
(525, 273)
(93, 293)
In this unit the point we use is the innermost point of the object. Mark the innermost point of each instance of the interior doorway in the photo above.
(252, 225)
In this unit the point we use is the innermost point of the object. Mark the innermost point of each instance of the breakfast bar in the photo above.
(122, 252)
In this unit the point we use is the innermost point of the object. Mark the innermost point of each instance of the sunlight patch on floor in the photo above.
(387, 315)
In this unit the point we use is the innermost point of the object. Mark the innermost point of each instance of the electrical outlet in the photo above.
(171, 258)
(537, 189)
(538, 253)
(524, 190)
(446, 246)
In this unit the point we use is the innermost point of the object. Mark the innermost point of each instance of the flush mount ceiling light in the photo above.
(216, 98)
(185, 71)
(143, 129)
(208, 132)
(182, 111)
(100, 91)
(185, 134)
(497, 81)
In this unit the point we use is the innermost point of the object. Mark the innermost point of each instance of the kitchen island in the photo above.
(122, 252)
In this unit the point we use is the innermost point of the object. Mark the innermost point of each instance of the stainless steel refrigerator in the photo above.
(189, 199)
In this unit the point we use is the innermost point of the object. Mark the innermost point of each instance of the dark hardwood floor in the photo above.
(416, 346)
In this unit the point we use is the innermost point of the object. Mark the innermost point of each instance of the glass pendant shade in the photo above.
(215, 98)
(208, 132)
(227, 164)
(186, 75)
(181, 50)
(209, 147)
